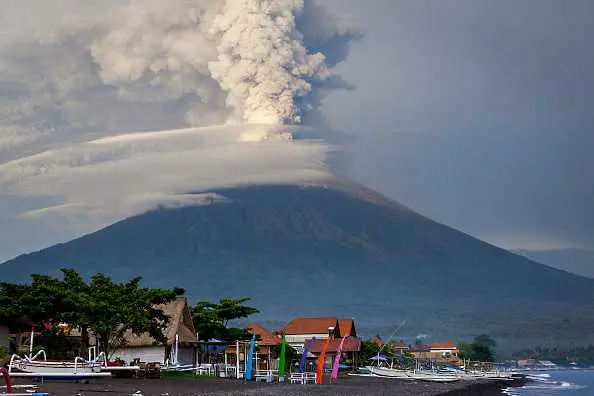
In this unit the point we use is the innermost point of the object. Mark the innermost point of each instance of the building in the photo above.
(299, 330)
(399, 348)
(347, 328)
(180, 327)
(445, 351)
(265, 351)
(350, 350)
(377, 340)
(420, 351)
(266, 340)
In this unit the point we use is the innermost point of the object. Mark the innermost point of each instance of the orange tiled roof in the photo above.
(347, 326)
(443, 345)
(266, 336)
(310, 325)
(351, 344)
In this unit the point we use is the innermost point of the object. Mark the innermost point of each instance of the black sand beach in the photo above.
(343, 386)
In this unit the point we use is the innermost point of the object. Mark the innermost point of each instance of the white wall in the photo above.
(155, 354)
(452, 351)
(145, 354)
(299, 339)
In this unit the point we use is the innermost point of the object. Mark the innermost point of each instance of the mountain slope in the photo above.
(576, 261)
(341, 251)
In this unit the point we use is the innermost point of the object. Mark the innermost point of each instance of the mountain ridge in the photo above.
(335, 248)
(575, 261)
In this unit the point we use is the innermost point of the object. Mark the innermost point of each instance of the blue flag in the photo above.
(248, 368)
(304, 356)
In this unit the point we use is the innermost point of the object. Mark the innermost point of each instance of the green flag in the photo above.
(281, 360)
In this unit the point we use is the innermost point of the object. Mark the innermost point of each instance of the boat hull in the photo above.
(388, 372)
(54, 367)
(433, 377)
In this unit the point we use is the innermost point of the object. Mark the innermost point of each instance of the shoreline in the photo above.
(490, 388)
(212, 386)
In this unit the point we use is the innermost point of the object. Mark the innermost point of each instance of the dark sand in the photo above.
(343, 386)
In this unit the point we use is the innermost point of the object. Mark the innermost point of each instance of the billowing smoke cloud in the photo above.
(246, 58)
(256, 68)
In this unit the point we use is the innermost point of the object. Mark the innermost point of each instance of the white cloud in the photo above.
(75, 74)
(114, 177)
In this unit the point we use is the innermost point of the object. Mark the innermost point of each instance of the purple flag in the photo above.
(303, 360)
(337, 359)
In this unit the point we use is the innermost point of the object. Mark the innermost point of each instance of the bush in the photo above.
(4, 355)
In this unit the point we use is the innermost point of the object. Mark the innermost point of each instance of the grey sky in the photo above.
(477, 114)
(474, 113)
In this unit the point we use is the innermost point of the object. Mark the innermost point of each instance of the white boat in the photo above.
(388, 372)
(31, 366)
(433, 376)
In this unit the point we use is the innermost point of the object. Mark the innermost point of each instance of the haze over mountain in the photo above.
(577, 261)
(335, 249)
(108, 122)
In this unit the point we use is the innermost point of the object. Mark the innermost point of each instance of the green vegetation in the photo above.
(107, 308)
(4, 355)
(481, 349)
(368, 350)
(212, 320)
(582, 355)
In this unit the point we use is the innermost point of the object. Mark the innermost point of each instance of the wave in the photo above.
(542, 385)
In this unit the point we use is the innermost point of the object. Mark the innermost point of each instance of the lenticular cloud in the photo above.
(224, 83)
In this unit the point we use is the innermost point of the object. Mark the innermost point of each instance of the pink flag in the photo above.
(337, 359)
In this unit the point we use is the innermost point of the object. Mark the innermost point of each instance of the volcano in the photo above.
(337, 249)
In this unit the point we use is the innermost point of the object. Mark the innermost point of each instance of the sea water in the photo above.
(557, 382)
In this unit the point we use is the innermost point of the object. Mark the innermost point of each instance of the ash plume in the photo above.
(77, 108)
(238, 60)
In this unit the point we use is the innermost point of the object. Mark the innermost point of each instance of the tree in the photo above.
(485, 340)
(368, 351)
(206, 321)
(481, 349)
(212, 319)
(107, 308)
(465, 351)
(230, 309)
(111, 309)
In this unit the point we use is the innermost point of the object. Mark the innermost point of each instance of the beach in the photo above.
(207, 386)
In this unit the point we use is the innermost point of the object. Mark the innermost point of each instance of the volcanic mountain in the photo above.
(340, 250)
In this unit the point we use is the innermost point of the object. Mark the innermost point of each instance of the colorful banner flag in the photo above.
(282, 358)
(321, 360)
(337, 359)
(248, 366)
(306, 349)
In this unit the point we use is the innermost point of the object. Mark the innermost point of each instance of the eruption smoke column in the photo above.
(91, 117)
(241, 60)
(262, 62)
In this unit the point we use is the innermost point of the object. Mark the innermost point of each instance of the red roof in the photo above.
(310, 325)
(420, 348)
(400, 344)
(265, 335)
(351, 344)
(443, 345)
(347, 327)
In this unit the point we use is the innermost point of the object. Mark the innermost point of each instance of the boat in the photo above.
(79, 368)
(432, 376)
(388, 372)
